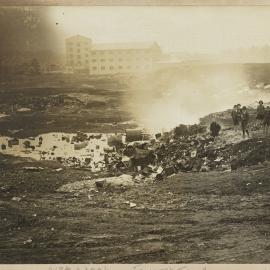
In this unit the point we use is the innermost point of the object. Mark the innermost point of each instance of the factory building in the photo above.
(110, 58)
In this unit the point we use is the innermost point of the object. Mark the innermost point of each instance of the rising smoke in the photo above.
(183, 95)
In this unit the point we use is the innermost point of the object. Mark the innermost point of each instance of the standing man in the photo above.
(266, 120)
(260, 113)
(239, 112)
(244, 121)
(235, 117)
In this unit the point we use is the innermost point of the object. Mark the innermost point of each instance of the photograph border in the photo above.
(219, 3)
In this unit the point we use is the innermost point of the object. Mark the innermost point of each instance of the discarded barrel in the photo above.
(115, 140)
(134, 135)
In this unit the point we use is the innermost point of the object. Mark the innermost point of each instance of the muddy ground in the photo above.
(63, 102)
(211, 217)
(215, 217)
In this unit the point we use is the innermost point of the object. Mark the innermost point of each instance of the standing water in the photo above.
(67, 148)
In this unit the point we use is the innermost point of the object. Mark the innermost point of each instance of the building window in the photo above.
(102, 60)
(78, 44)
(86, 55)
(94, 60)
(71, 49)
(71, 55)
(86, 62)
(111, 67)
(94, 68)
(78, 56)
(94, 53)
(120, 67)
(71, 62)
(102, 68)
(111, 60)
(78, 50)
(79, 63)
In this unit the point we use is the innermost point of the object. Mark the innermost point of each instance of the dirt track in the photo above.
(190, 218)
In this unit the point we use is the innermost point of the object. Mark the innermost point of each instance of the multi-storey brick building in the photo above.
(97, 59)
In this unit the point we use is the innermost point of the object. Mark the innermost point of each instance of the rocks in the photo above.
(85, 186)
(124, 180)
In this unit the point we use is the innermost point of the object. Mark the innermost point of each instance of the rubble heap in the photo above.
(197, 153)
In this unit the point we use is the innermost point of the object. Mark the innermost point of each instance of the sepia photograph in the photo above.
(134, 134)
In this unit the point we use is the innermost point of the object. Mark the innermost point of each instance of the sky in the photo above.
(190, 29)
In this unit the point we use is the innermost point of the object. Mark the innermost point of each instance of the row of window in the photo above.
(78, 62)
(119, 67)
(120, 59)
(78, 43)
(101, 52)
(120, 52)
(78, 56)
(111, 59)
(78, 50)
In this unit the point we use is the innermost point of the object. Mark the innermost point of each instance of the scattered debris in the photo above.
(28, 241)
(13, 142)
(132, 205)
(24, 110)
(16, 199)
(33, 169)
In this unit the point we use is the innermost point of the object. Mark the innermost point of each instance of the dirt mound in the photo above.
(251, 152)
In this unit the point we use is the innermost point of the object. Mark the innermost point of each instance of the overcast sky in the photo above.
(191, 29)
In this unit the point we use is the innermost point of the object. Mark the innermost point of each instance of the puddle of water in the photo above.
(59, 146)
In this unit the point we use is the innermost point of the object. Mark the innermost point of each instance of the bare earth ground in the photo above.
(90, 105)
(214, 217)
(190, 218)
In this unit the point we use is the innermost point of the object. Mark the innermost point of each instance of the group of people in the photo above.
(240, 116)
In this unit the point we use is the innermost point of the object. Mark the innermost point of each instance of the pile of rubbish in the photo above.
(156, 159)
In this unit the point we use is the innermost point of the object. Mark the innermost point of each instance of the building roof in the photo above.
(124, 46)
(78, 37)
